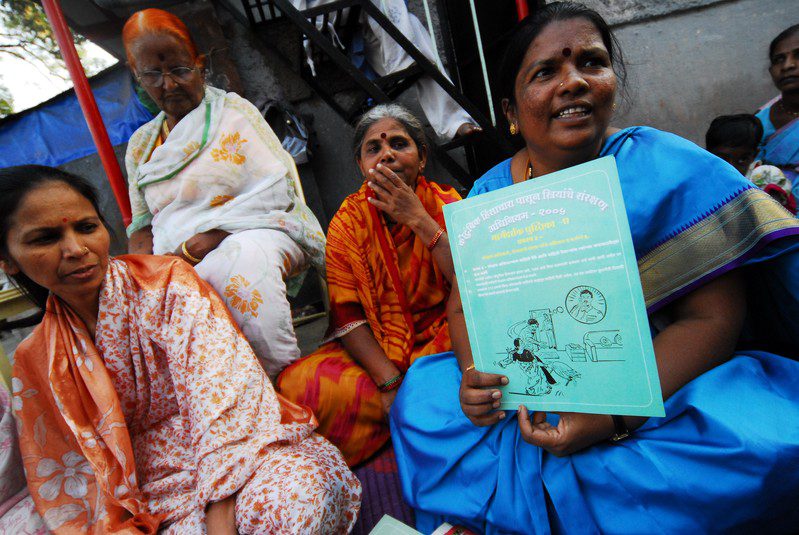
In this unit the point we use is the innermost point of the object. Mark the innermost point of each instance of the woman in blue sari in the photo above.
(780, 117)
(714, 253)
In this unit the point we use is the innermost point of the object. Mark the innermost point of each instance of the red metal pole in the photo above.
(522, 9)
(87, 103)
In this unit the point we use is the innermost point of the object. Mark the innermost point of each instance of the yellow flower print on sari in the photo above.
(220, 200)
(241, 297)
(190, 148)
(230, 149)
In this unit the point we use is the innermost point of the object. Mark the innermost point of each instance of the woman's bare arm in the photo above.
(400, 203)
(362, 346)
(364, 349)
(707, 323)
(141, 241)
(220, 517)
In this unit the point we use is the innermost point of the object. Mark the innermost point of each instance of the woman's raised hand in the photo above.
(395, 197)
(479, 400)
(575, 431)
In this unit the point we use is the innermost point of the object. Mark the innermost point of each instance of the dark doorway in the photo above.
(496, 18)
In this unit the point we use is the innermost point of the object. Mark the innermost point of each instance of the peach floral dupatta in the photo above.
(163, 338)
(76, 449)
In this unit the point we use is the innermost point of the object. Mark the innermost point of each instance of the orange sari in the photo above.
(366, 262)
(145, 424)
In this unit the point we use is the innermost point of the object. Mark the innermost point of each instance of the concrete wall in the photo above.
(689, 66)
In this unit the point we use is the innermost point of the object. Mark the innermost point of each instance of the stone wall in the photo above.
(618, 12)
(688, 67)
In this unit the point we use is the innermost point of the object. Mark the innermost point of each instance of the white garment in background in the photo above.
(387, 57)
(17, 513)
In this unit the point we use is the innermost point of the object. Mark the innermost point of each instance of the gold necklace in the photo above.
(529, 170)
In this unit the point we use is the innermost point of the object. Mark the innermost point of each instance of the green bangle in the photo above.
(391, 384)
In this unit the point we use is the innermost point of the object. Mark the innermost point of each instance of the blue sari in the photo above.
(725, 456)
(780, 147)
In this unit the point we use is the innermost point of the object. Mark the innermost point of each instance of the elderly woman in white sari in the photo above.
(209, 181)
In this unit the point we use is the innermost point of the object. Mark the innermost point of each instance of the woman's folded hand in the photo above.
(575, 431)
(479, 399)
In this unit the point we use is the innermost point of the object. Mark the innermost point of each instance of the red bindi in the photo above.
(64, 220)
(383, 135)
(567, 52)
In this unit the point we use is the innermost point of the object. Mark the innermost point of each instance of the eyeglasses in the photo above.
(156, 78)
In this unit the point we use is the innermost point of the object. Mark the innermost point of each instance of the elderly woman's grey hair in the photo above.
(401, 114)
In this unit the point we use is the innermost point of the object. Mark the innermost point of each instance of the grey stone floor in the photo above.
(310, 334)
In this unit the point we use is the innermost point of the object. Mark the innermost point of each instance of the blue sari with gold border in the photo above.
(724, 457)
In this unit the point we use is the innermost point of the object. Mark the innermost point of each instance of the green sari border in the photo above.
(712, 244)
(204, 140)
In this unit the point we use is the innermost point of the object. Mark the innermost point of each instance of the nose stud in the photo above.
(85, 250)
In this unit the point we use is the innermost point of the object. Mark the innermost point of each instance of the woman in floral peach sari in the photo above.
(140, 404)
(209, 181)
(389, 273)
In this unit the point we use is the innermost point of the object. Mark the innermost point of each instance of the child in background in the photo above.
(734, 139)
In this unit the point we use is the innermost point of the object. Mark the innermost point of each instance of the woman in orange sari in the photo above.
(130, 418)
(389, 273)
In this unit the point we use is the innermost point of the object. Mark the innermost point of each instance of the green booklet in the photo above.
(551, 293)
(389, 525)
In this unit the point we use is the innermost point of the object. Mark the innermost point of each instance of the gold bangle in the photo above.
(188, 255)
(469, 367)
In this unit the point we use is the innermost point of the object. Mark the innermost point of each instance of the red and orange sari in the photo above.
(387, 279)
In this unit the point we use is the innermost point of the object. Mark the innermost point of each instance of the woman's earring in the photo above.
(613, 107)
(513, 129)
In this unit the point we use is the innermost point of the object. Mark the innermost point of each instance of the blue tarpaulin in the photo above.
(55, 132)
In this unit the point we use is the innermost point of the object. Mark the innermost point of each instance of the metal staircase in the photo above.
(348, 90)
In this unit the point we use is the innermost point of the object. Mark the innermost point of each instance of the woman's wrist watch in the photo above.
(620, 429)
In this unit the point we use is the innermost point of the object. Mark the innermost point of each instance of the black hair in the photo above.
(589, 292)
(15, 184)
(516, 342)
(784, 34)
(741, 130)
(528, 29)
